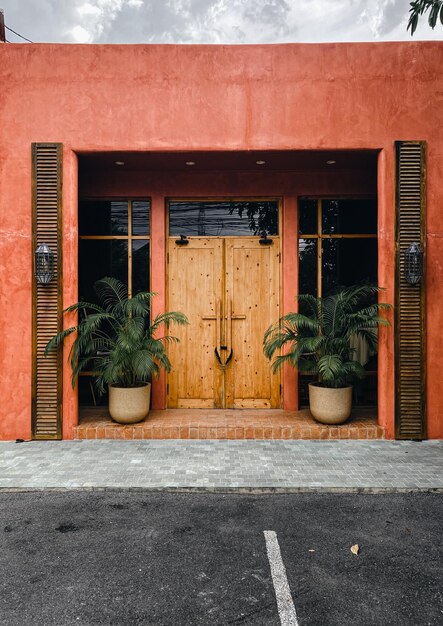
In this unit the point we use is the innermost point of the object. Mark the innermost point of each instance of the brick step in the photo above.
(95, 423)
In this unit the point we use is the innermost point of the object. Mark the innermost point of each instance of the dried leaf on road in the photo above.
(355, 549)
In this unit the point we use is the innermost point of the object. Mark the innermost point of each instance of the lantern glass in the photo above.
(44, 264)
(413, 264)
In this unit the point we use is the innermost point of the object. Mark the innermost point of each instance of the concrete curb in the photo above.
(231, 490)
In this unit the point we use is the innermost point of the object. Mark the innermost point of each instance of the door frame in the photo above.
(223, 198)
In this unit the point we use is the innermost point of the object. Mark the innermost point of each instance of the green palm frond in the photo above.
(318, 339)
(78, 306)
(307, 366)
(167, 319)
(143, 364)
(59, 339)
(291, 328)
(116, 340)
(309, 303)
(330, 368)
(354, 369)
(169, 339)
(133, 307)
(110, 292)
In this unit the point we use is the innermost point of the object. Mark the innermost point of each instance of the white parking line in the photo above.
(285, 605)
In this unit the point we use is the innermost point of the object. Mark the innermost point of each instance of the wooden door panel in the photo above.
(236, 281)
(252, 292)
(195, 278)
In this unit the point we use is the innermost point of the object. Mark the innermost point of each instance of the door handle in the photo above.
(229, 328)
(225, 332)
(219, 323)
(217, 354)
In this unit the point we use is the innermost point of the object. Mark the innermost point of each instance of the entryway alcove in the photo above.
(229, 239)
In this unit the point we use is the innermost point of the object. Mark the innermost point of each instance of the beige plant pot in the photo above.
(330, 406)
(128, 405)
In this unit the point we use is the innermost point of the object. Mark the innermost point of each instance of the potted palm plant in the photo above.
(118, 342)
(318, 340)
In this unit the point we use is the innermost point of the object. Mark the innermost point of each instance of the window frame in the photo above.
(272, 198)
(320, 236)
(129, 237)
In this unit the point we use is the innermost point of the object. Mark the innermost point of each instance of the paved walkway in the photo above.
(224, 465)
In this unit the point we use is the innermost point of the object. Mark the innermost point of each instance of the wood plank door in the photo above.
(252, 272)
(229, 289)
(195, 288)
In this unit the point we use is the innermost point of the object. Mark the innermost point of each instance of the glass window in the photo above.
(307, 252)
(220, 219)
(98, 258)
(140, 265)
(349, 216)
(348, 262)
(307, 216)
(345, 249)
(98, 217)
(140, 217)
(108, 247)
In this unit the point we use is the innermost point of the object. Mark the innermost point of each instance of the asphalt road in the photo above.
(127, 558)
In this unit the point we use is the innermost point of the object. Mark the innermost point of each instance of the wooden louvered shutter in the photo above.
(47, 299)
(410, 299)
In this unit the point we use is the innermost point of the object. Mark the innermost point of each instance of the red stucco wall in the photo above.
(297, 97)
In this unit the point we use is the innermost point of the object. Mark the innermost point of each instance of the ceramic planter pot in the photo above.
(330, 406)
(129, 405)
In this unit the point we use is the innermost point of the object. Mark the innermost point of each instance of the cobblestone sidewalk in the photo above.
(260, 465)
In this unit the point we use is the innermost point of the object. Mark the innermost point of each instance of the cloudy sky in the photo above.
(211, 21)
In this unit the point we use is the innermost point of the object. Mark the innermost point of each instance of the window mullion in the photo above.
(130, 248)
(319, 249)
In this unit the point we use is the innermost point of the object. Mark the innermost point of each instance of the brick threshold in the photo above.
(95, 423)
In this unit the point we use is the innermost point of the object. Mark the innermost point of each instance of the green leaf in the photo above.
(433, 15)
(116, 339)
(58, 340)
(318, 341)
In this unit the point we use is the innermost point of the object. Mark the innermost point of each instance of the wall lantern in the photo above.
(44, 264)
(413, 264)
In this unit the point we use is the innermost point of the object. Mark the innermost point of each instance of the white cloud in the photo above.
(88, 10)
(213, 21)
(81, 35)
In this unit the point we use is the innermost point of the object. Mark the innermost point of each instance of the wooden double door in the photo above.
(230, 289)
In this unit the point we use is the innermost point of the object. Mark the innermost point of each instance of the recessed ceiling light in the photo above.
(119, 162)
(190, 162)
(330, 162)
(260, 162)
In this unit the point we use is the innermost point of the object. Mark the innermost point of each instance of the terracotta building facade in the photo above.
(110, 154)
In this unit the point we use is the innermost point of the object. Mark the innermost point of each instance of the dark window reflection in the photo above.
(303, 389)
(98, 217)
(87, 393)
(99, 258)
(307, 216)
(307, 253)
(218, 219)
(140, 217)
(349, 217)
(344, 262)
(140, 266)
(347, 262)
